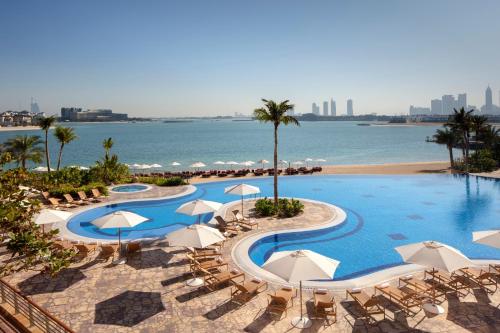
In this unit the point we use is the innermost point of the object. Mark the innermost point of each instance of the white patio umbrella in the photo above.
(41, 169)
(175, 164)
(198, 165)
(119, 219)
(197, 236)
(156, 166)
(79, 167)
(242, 190)
(283, 163)
(247, 163)
(487, 237)
(434, 255)
(307, 160)
(49, 216)
(298, 163)
(232, 163)
(263, 162)
(198, 207)
(218, 163)
(296, 266)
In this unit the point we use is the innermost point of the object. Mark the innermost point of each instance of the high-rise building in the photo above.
(34, 107)
(325, 108)
(333, 108)
(419, 111)
(462, 101)
(488, 98)
(315, 109)
(350, 110)
(436, 106)
(448, 104)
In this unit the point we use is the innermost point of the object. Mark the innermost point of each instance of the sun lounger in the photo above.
(108, 251)
(133, 247)
(495, 269)
(84, 251)
(214, 281)
(204, 253)
(456, 283)
(69, 199)
(324, 305)
(369, 305)
(248, 224)
(225, 227)
(242, 292)
(195, 265)
(433, 290)
(281, 301)
(96, 193)
(484, 279)
(83, 197)
(404, 297)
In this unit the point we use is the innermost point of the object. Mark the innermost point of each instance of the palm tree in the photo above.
(461, 122)
(107, 144)
(490, 135)
(25, 148)
(45, 124)
(64, 135)
(275, 113)
(448, 138)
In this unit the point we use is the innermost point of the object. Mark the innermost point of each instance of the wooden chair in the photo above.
(248, 224)
(484, 279)
(225, 227)
(204, 253)
(404, 297)
(214, 281)
(133, 247)
(243, 292)
(209, 265)
(434, 291)
(96, 193)
(456, 283)
(369, 305)
(281, 301)
(83, 197)
(69, 199)
(324, 305)
(108, 251)
(84, 251)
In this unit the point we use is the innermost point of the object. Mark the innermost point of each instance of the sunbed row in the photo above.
(101, 251)
(70, 202)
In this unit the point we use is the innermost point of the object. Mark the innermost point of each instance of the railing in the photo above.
(35, 315)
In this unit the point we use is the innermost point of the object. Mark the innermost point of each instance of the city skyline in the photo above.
(175, 59)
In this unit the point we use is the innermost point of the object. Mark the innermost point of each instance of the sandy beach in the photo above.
(374, 169)
(19, 128)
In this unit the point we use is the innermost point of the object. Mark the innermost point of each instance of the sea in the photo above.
(208, 141)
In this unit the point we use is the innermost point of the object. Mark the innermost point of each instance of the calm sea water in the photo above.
(209, 141)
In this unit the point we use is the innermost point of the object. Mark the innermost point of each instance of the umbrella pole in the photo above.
(119, 241)
(301, 322)
(300, 287)
(242, 207)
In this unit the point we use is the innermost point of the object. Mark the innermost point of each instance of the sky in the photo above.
(202, 58)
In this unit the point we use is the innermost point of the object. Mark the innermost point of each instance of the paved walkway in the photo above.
(148, 294)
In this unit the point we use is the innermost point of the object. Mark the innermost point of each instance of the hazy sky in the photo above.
(166, 58)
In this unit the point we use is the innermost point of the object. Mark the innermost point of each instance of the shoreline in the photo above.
(407, 168)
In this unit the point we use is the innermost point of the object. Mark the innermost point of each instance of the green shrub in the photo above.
(289, 207)
(265, 207)
(171, 181)
(479, 161)
(61, 190)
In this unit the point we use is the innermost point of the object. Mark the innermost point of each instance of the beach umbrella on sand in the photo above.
(242, 190)
(156, 166)
(49, 216)
(434, 255)
(247, 163)
(198, 165)
(232, 163)
(118, 220)
(283, 163)
(298, 163)
(263, 162)
(198, 207)
(487, 237)
(308, 160)
(219, 163)
(197, 236)
(175, 164)
(297, 266)
(41, 169)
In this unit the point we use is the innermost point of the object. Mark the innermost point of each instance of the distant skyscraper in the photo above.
(325, 108)
(315, 109)
(436, 106)
(448, 104)
(489, 98)
(350, 110)
(34, 107)
(462, 101)
(333, 107)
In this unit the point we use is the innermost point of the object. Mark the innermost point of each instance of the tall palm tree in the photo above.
(490, 135)
(25, 148)
(107, 145)
(461, 122)
(45, 124)
(448, 138)
(275, 113)
(64, 135)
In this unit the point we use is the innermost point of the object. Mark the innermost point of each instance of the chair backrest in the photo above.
(221, 221)
(46, 195)
(240, 287)
(68, 197)
(278, 300)
(82, 195)
(237, 215)
(53, 201)
(96, 193)
(133, 246)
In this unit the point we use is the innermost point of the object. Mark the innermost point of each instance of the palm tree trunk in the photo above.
(60, 156)
(452, 162)
(466, 159)
(47, 157)
(275, 165)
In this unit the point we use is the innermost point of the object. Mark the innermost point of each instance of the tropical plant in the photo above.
(461, 122)
(107, 145)
(64, 135)
(489, 135)
(5, 157)
(24, 148)
(449, 138)
(480, 161)
(108, 170)
(289, 207)
(45, 124)
(275, 113)
(265, 207)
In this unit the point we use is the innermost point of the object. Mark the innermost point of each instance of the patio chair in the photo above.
(454, 282)
(204, 253)
(225, 227)
(84, 251)
(324, 305)
(404, 297)
(108, 251)
(243, 222)
(484, 279)
(243, 292)
(133, 248)
(83, 197)
(69, 199)
(214, 281)
(495, 269)
(433, 290)
(369, 305)
(281, 301)
(96, 193)
(209, 265)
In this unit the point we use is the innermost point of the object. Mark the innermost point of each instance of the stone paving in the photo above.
(148, 294)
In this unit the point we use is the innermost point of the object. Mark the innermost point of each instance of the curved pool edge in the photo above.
(147, 188)
(68, 234)
(240, 256)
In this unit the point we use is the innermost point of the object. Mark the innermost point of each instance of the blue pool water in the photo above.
(382, 212)
(129, 188)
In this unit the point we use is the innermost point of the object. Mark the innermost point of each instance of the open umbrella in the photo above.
(298, 163)
(197, 236)
(198, 207)
(175, 164)
(232, 163)
(487, 237)
(263, 162)
(307, 160)
(119, 219)
(155, 166)
(296, 266)
(242, 190)
(48, 216)
(434, 255)
(247, 163)
(41, 169)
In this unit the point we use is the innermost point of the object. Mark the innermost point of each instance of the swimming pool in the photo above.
(130, 188)
(382, 212)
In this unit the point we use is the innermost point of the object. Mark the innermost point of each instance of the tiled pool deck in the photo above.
(148, 294)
